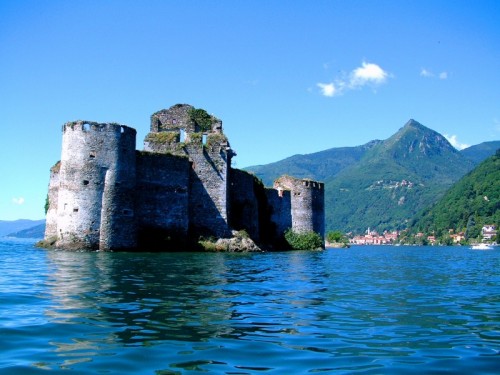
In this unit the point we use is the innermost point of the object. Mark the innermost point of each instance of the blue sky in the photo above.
(285, 77)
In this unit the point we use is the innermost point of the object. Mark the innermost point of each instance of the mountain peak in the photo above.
(414, 124)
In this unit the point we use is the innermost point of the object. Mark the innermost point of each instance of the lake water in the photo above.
(363, 310)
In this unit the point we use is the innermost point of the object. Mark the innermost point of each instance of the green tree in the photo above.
(336, 236)
(304, 240)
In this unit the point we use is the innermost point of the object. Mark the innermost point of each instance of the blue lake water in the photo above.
(363, 310)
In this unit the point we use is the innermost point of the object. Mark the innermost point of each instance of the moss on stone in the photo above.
(216, 139)
(201, 119)
(163, 137)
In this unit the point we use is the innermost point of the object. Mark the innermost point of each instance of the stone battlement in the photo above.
(105, 195)
(87, 126)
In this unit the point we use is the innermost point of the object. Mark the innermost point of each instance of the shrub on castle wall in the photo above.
(216, 139)
(201, 119)
(304, 240)
(47, 204)
(163, 137)
(195, 139)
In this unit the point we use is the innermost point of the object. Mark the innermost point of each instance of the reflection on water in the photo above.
(367, 310)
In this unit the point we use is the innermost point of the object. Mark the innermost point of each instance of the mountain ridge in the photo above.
(8, 227)
(393, 181)
(382, 183)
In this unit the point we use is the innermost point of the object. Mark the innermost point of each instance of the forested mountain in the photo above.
(472, 202)
(393, 181)
(480, 152)
(382, 184)
(318, 166)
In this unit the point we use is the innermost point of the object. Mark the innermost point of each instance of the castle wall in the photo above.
(90, 151)
(280, 212)
(244, 205)
(53, 196)
(209, 190)
(208, 150)
(175, 118)
(162, 199)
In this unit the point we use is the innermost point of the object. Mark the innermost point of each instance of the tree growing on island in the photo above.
(336, 237)
(304, 240)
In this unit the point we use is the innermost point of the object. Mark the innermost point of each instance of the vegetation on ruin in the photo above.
(163, 137)
(216, 139)
(195, 138)
(201, 119)
(304, 240)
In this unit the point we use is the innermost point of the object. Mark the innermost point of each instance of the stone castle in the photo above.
(103, 194)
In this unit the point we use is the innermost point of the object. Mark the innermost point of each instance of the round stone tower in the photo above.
(95, 206)
(307, 202)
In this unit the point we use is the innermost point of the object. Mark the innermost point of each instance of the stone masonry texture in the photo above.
(103, 194)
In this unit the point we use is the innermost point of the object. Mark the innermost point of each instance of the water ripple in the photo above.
(366, 310)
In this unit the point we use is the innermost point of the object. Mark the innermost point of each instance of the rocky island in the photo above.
(179, 193)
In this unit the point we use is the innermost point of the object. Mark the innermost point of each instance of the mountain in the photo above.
(393, 181)
(480, 152)
(37, 231)
(469, 204)
(8, 227)
(382, 184)
(317, 166)
(324, 165)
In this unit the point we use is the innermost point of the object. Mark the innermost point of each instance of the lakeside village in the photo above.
(372, 237)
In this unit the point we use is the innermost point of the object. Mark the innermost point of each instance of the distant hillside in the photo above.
(37, 231)
(8, 227)
(480, 152)
(393, 181)
(471, 203)
(382, 184)
(317, 166)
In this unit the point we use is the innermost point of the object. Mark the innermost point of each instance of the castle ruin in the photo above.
(105, 195)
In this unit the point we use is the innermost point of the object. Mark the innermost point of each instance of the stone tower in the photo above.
(307, 203)
(186, 131)
(92, 199)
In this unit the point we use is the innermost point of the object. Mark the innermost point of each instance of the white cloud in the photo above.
(18, 201)
(426, 73)
(455, 143)
(366, 74)
(327, 89)
(443, 75)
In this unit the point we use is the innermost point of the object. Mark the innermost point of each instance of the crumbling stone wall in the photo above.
(210, 154)
(175, 118)
(244, 207)
(52, 197)
(280, 212)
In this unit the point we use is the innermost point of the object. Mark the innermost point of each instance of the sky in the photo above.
(285, 77)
